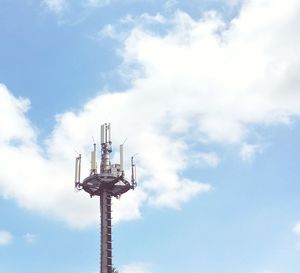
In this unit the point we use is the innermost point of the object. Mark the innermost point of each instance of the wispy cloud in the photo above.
(136, 268)
(96, 3)
(5, 237)
(202, 159)
(60, 6)
(171, 5)
(121, 31)
(30, 238)
(233, 2)
(110, 31)
(296, 228)
(248, 151)
(56, 6)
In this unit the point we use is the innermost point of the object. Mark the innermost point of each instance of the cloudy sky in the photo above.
(207, 92)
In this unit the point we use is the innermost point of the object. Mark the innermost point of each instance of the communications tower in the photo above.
(109, 182)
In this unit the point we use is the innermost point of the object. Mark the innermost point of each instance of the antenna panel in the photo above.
(102, 134)
(109, 132)
(121, 157)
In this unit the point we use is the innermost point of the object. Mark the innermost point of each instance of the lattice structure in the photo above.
(110, 182)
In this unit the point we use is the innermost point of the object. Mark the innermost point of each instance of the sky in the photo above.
(206, 93)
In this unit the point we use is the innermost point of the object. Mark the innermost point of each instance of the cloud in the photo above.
(170, 5)
(205, 159)
(96, 3)
(59, 6)
(5, 237)
(30, 238)
(248, 151)
(121, 31)
(296, 228)
(109, 31)
(198, 83)
(144, 19)
(47, 172)
(136, 268)
(56, 6)
(233, 2)
(19, 128)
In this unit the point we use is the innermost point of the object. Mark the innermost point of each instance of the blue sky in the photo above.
(206, 92)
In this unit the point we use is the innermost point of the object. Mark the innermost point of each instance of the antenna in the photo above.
(93, 161)
(109, 133)
(133, 173)
(121, 157)
(109, 182)
(102, 134)
(77, 172)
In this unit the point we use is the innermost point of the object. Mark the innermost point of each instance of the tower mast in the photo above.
(110, 182)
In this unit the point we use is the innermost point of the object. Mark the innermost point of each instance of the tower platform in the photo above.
(97, 183)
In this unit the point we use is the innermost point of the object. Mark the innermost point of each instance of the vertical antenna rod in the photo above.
(93, 161)
(122, 157)
(77, 171)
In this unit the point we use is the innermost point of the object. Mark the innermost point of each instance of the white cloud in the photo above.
(59, 6)
(205, 159)
(233, 2)
(109, 31)
(5, 237)
(170, 5)
(18, 128)
(126, 24)
(296, 228)
(201, 82)
(97, 3)
(136, 268)
(248, 151)
(30, 238)
(48, 174)
(56, 6)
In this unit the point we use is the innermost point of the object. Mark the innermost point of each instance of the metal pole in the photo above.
(106, 233)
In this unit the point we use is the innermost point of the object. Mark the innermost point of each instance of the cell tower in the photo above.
(109, 182)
